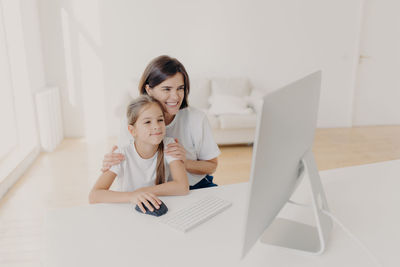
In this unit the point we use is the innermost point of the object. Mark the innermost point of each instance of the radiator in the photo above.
(48, 109)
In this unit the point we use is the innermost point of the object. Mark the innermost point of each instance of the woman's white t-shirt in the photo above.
(136, 172)
(192, 129)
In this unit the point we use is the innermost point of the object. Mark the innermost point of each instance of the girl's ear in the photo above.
(148, 89)
(131, 129)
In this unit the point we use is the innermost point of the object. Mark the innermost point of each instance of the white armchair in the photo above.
(231, 106)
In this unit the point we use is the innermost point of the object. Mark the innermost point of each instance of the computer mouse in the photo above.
(157, 212)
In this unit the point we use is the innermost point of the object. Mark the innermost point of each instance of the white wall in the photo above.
(377, 92)
(55, 65)
(271, 42)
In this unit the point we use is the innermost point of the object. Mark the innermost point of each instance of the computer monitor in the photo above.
(282, 154)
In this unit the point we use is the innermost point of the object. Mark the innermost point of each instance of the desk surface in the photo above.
(365, 198)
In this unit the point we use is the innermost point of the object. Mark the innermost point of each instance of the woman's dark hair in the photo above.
(133, 111)
(160, 69)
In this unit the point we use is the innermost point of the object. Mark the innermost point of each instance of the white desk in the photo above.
(366, 199)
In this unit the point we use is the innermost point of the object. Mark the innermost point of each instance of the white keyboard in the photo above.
(187, 218)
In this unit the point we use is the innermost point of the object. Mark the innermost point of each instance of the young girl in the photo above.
(143, 175)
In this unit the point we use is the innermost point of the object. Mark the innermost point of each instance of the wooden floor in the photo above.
(333, 148)
(64, 177)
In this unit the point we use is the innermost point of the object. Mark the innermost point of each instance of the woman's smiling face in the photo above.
(170, 93)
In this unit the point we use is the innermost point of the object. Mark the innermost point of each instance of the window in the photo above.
(8, 136)
(18, 135)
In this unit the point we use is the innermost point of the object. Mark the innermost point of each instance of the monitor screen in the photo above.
(285, 134)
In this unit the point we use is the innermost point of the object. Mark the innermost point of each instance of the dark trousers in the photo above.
(204, 183)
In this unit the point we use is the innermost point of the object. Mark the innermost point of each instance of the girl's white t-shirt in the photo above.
(136, 172)
(192, 129)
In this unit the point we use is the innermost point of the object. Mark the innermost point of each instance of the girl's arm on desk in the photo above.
(101, 194)
(178, 186)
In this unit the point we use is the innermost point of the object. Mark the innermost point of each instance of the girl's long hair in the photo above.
(160, 69)
(132, 113)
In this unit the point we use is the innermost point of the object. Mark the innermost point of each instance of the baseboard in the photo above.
(12, 176)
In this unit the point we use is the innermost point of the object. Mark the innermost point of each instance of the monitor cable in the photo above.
(347, 231)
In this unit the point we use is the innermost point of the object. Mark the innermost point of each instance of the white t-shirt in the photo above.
(136, 172)
(192, 129)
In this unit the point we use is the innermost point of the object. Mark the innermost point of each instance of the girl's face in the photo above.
(170, 93)
(149, 126)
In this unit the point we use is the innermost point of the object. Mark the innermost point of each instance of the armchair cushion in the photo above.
(200, 90)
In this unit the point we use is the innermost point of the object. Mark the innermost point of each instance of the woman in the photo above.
(166, 80)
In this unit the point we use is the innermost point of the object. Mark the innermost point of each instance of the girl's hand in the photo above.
(176, 150)
(111, 159)
(141, 198)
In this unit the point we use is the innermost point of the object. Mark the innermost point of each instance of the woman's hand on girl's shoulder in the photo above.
(111, 159)
(142, 199)
(176, 150)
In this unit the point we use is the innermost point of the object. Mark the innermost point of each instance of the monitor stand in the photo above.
(299, 236)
